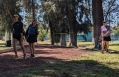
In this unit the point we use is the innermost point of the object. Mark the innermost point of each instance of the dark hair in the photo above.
(19, 19)
(33, 21)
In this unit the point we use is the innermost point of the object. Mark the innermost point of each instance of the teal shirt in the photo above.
(33, 30)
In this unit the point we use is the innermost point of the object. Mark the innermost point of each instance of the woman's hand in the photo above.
(22, 38)
(105, 35)
(100, 37)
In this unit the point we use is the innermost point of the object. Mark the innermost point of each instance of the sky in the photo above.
(115, 17)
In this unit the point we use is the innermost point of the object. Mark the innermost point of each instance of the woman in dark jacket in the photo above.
(18, 35)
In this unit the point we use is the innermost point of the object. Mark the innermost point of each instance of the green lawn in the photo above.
(3, 46)
(113, 46)
(93, 65)
(2, 41)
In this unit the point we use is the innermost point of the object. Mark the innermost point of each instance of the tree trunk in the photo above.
(33, 10)
(51, 33)
(97, 19)
(8, 10)
(63, 40)
(11, 38)
(70, 25)
(75, 30)
(6, 38)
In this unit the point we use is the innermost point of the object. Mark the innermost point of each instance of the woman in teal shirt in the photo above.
(32, 33)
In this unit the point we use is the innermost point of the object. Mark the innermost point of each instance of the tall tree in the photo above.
(72, 12)
(30, 8)
(97, 12)
(7, 9)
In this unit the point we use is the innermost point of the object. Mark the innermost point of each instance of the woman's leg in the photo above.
(102, 45)
(33, 47)
(14, 46)
(22, 46)
(107, 45)
(30, 46)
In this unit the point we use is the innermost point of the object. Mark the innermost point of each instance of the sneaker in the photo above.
(107, 50)
(102, 51)
(24, 56)
(32, 56)
(16, 58)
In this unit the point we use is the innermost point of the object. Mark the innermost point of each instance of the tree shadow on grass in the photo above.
(83, 68)
(114, 45)
(54, 67)
(2, 43)
(44, 52)
(7, 63)
(114, 52)
(50, 46)
(110, 50)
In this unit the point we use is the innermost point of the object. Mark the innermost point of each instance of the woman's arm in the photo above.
(108, 31)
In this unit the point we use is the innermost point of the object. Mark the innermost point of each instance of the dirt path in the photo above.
(44, 54)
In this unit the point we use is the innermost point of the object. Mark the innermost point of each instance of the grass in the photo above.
(93, 65)
(3, 46)
(112, 46)
(2, 42)
(44, 42)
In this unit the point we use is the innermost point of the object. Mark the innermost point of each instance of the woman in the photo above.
(18, 35)
(105, 35)
(32, 33)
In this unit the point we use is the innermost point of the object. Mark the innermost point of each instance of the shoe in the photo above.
(107, 50)
(24, 56)
(32, 56)
(102, 51)
(16, 58)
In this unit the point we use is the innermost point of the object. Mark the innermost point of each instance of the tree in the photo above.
(43, 31)
(7, 9)
(115, 30)
(69, 10)
(97, 12)
(31, 7)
